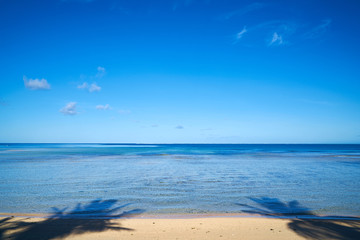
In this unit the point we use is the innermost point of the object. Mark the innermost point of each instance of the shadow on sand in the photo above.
(95, 216)
(304, 222)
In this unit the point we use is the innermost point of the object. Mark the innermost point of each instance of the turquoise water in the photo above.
(266, 179)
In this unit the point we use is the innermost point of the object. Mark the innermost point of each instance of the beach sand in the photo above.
(219, 227)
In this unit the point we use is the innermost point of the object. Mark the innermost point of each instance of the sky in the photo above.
(179, 71)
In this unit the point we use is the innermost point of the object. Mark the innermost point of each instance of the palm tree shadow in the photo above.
(303, 221)
(3, 223)
(96, 216)
(276, 208)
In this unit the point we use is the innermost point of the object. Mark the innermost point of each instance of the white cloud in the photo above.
(36, 84)
(94, 88)
(276, 39)
(69, 109)
(83, 86)
(179, 127)
(100, 72)
(241, 33)
(91, 88)
(103, 107)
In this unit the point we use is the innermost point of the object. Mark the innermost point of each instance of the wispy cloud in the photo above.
(36, 84)
(244, 10)
(69, 109)
(318, 30)
(103, 107)
(179, 127)
(280, 33)
(240, 34)
(256, 35)
(154, 125)
(276, 40)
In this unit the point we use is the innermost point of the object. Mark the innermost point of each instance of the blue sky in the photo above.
(180, 71)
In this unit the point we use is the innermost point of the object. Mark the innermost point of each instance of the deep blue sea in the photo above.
(266, 179)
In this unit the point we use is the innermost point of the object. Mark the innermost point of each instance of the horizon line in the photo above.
(129, 143)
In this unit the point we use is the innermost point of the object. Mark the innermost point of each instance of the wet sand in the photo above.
(219, 227)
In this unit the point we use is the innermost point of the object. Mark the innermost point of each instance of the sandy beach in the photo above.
(220, 227)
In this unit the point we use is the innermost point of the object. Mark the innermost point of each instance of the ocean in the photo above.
(102, 179)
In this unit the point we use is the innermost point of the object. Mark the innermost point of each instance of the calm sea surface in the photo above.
(266, 179)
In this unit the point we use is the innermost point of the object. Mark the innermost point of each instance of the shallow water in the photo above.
(267, 179)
